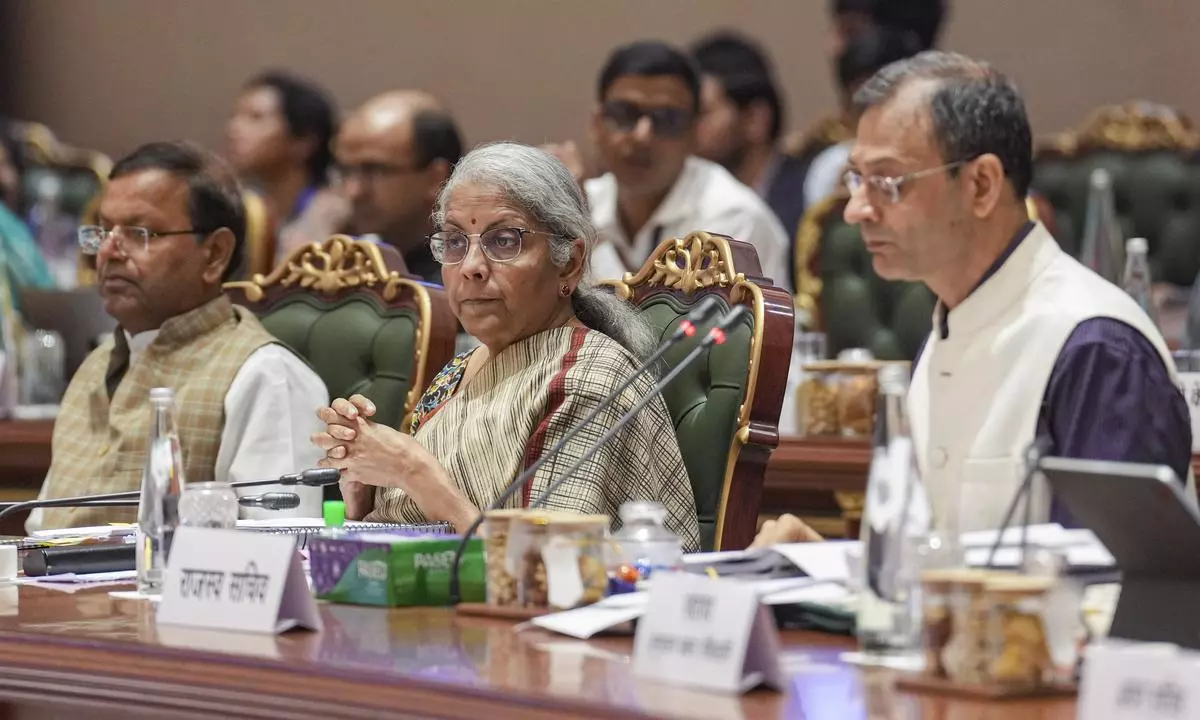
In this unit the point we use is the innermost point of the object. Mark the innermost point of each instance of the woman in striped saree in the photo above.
(513, 238)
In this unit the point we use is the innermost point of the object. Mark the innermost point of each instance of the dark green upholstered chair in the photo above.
(1151, 153)
(81, 172)
(837, 287)
(726, 405)
(362, 327)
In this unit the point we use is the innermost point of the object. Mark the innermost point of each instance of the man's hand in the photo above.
(786, 529)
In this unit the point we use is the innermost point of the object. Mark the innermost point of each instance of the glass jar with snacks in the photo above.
(837, 397)
(501, 575)
(856, 395)
(936, 618)
(556, 560)
(966, 655)
(574, 559)
(1020, 651)
(816, 400)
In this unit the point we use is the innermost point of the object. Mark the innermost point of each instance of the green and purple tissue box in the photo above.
(394, 570)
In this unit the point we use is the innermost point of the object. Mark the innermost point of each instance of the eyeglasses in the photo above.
(369, 173)
(668, 122)
(889, 187)
(128, 239)
(450, 247)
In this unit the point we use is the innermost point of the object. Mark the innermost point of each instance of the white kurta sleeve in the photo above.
(270, 416)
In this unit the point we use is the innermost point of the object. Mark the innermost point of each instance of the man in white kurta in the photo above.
(655, 188)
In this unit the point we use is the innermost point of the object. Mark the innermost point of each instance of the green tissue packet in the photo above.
(374, 569)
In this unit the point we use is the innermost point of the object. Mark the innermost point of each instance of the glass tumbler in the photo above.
(208, 505)
(42, 368)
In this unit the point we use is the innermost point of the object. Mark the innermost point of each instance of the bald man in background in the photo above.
(392, 157)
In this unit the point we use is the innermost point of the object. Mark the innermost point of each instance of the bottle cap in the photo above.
(162, 395)
(1136, 245)
(335, 513)
(1100, 178)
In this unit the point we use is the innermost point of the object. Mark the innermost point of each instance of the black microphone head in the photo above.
(733, 317)
(316, 477)
(280, 501)
(716, 336)
(704, 309)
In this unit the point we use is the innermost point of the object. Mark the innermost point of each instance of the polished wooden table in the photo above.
(89, 654)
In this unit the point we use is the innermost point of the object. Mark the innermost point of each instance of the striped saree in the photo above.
(521, 403)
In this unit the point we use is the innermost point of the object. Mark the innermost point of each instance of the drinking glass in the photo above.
(208, 505)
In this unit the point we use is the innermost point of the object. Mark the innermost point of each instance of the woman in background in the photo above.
(22, 262)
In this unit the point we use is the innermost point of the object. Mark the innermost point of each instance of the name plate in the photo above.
(707, 633)
(1189, 385)
(240, 581)
(1128, 681)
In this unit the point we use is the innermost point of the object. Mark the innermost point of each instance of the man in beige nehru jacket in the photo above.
(171, 226)
(392, 156)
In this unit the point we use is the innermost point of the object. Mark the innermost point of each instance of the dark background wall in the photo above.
(110, 74)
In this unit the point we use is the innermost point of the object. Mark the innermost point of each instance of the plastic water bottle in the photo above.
(1136, 280)
(896, 521)
(644, 545)
(162, 484)
(1103, 239)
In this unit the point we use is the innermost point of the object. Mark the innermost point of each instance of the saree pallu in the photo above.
(527, 398)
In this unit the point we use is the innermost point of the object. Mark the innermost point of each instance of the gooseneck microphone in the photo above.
(313, 477)
(266, 501)
(715, 336)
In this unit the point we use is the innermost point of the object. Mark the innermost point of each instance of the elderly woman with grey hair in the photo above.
(513, 239)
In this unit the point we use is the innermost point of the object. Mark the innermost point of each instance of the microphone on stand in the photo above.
(1033, 463)
(716, 336)
(313, 477)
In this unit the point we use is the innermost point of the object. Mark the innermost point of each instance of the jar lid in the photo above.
(1019, 585)
(564, 520)
(956, 577)
(506, 514)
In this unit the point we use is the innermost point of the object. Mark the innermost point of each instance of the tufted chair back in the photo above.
(725, 407)
(363, 328)
(1151, 153)
(836, 285)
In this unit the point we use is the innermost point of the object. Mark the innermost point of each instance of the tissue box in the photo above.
(394, 571)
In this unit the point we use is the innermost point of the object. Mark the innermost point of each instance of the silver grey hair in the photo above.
(538, 183)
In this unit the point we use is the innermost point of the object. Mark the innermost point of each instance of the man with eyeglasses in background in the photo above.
(655, 188)
(1028, 345)
(171, 227)
(391, 158)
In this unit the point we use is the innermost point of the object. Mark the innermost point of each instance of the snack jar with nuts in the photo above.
(1020, 651)
(501, 574)
(966, 655)
(573, 559)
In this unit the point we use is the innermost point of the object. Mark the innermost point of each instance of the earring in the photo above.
(565, 290)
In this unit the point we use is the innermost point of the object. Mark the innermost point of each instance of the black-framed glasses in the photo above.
(667, 122)
(369, 173)
(889, 187)
(129, 239)
(450, 247)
